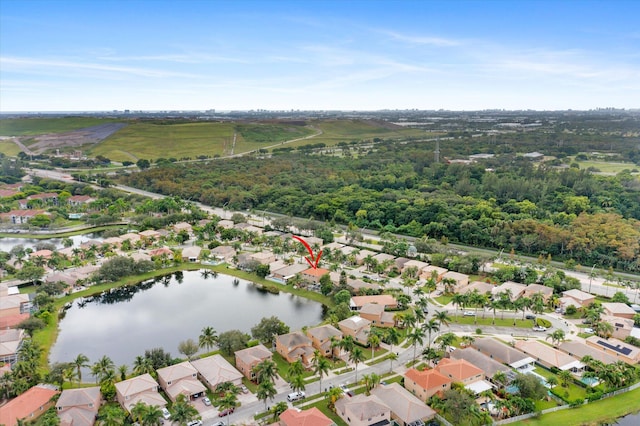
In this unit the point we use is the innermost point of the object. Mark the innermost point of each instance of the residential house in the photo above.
(13, 307)
(43, 254)
(432, 271)
(21, 217)
(505, 354)
(532, 289)
(45, 197)
(313, 275)
(357, 285)
(182, 226)
(362, 410)
(149, 236)
(80, 200)
(620, 350)
(549, 357)
(534, 156)
(263, 257)
(322, 339)
(622, 327)
(362, 255)
(225, 224)
(459, 280)
(28, 406)
(214, 370)
(387, 301)
(515, 289)
(426, 383)
(405, 407)
(6, 193)
(400, 262)
(377, 315)
(139, 256)
(23, 204)
(419, 265)
(309, 417)
(180, 379)
(295, 346)
(114, 242)
(141, 388)
(134, 238)
(247, 359)
(620, 310)
(487, 364)
(460, 370)
(581, 298)
(191, 254)
(161, 252)
(223, 253)
(356, 327)
(79, 407)
(579, 350)
(285, 273)
(10, 344)
(384, 257)
(480, 286)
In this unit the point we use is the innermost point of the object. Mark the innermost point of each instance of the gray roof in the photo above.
(500, 351)
(480, 360)
(294, 339)
(324, 332)
(79, 397)
(402, 403)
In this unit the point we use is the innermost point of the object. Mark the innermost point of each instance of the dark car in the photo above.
(531, 317)
(226, 412)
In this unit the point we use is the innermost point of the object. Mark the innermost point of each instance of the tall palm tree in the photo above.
(123, 370)
(81, 361)
(297, 383)
(102, 367)
(112, 415)
(374, 341)
(208, 338)
(266, 390)
(321, 367)
(430, 355)
(295, 369)
(392, 357)
(392, 337)
(142, 365)
(230, 400)
(266, 370)
(183, 411)
(415, 337)
(442, 317)
(356, 356)
(429, 327)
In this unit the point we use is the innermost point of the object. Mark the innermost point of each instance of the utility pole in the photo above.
(437, 151)
(591, 276)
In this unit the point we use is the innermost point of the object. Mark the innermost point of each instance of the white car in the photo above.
(165, 413)
(206, 400)
(195, 423)
(469, 314)
(589, 330)
(539, 328)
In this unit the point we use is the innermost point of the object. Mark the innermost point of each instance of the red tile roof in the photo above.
(458, 369)
(316, 272)
(427, 379)
(25, 404)
(310, 417)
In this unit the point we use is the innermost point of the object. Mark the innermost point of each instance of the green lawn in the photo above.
(573, 390)
(9, 149)
(594, 413)
(488, 320)
(444, 300)
(39, 126)
(607, 166)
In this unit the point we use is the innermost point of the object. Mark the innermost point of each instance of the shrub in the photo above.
(571, 310)
(478, 331)
(543, 322)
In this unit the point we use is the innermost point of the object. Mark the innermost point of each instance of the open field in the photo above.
(336, 131)
(9, 148)
(39, 126)
(607, 166)
(594, 413)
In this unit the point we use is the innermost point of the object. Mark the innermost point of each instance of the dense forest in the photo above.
(503, 203)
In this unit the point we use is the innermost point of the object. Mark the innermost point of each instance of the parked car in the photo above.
(226, 412)
(589, 330)
(196, 423)
(219, 424)
(539, 328)
(469, 314)
(206, 400)
(165, 413)
(244, 389)
(530, 316)
(296, 396)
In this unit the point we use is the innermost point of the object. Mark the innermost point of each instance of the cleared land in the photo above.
(336, 131)
(40, 126)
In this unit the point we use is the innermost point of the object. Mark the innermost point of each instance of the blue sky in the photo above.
(96, 55)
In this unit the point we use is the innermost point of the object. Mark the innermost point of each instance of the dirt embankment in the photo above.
(76, 138)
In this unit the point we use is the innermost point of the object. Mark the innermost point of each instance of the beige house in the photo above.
(532, 289)
(581, 298)
(405, 407)
(322, 339)
(433, 271)
(313, 275)
(149, 236)
(247, 359)
(214, 370)
(285, 273)
(191, 254)
(182, 226)
(620, 310)
(377, 315)
(362, 410)
(505, 354)
(515, 289)
(79, 407)
(139, 389)
(620, 350)
(263, 257)
(419, 265)
(579, 350)
(424, 384)
(356, 327)
(480, 286)
(622, 327)
(387, 301)
(549, 357)
(295, 346)
(180, 379)
(461, 280)
(223, 253)
(10, 344)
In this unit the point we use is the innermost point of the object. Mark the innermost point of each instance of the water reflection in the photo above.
(124, 322)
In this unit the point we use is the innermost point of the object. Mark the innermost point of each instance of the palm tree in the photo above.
(564, 377)
(442, 317)
(321, 367)
(123, 370)
(446, 340)
(556, 337)
(459, 301)
(467, 340)
(295, 369)
(112, 415)
(297, 383)
(81, 361)
(142, 365)
(430, 355)
(266, 370)
(604, 329)
(208, 338)
(183, 411)
(370, 381)
(429, 327)
(392, 337)
(392, 357)
(553, 380)
(277, 409)
(356, 356)
(334, 395)
(266, 390)
(230, 400)
(493, 305)
(415, 337)
(102, 367)
(374, 341)
(500, 378)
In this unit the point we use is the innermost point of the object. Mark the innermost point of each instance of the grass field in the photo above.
(335, 131)
(607, 166)
(39, 126)
(594, 413)
(9, 148)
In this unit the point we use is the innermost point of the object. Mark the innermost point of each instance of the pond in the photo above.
(163, 312)
(6, 244)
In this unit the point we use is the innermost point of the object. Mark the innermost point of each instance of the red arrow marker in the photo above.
(313, 262)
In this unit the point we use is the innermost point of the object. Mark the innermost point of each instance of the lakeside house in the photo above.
(247, 359)
(141, 388)
(28, 406)
(295, 346)
(214, 370)
(79, 407)
(180, 379)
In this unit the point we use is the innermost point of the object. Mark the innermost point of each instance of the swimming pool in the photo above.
(590, 381)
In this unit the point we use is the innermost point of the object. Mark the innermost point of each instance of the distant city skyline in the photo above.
(143, 55)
